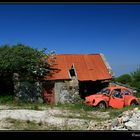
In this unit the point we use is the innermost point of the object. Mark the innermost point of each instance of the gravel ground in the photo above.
(60, 119)
(54, 118)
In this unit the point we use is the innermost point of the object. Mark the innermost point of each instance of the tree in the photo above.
(136, 79)
(29, 63)
(125, 79)
(132, 79)
(136, 75)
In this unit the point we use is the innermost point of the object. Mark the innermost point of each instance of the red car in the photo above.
(116, 97)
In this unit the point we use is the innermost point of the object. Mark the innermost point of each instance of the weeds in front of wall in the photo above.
(6, 99)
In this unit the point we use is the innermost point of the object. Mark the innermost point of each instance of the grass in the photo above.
(80, 108)
(6, 99)
(9, 101)
(76, 107)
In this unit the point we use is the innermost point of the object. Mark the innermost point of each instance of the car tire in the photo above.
(102, 105)
(133, 103)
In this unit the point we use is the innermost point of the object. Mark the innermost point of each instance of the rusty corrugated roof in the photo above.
(87, 66)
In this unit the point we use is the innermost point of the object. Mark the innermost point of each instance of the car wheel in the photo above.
(133, 103)
(102, 105)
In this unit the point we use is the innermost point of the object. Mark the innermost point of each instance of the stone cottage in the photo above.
(76, 75)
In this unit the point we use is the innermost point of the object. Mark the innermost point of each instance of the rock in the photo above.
(120, 120)
(134, 118)
(119, 128)
(127, 113)
(136, 108)
(115, 123)
(130, 125)
(122, 128)
(114, 128)
(92, 125)
(138, 126)
(125, 119)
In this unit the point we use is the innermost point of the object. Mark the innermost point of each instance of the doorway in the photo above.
(87, 88)
(48, 92)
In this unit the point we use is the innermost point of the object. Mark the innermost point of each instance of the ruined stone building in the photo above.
(76, 75)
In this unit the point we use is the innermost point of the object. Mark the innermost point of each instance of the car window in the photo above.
(117, 94)
(105, 91)
(126, 92)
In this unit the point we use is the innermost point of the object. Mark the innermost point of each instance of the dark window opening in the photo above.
(72, 72)
(126, 92)
(105, 91)
(117, 93)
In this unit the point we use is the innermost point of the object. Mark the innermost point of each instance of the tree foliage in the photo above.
(136, 75)
(24, 60)
(29, 63)
(136, 79)
(132, 79)
(125, 79)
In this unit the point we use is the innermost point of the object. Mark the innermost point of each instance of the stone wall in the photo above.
(28, 91)
(66, 92)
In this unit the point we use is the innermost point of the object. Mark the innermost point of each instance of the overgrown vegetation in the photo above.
(29, 63)
(6, 99)
(132, 79)
(124, 79)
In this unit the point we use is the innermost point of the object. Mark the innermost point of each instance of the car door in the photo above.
(127, 96)
(116, 99)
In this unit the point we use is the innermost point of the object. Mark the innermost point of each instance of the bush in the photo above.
(136, 75)
(124, 79)
(132, 79)
(136, 79)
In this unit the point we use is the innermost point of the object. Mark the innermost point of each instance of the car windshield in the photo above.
(105, 91)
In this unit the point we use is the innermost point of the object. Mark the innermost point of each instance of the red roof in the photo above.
(87, 66)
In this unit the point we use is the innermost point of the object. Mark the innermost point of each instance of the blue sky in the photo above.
(111, 29)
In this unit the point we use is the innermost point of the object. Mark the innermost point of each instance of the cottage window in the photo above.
(72, 72)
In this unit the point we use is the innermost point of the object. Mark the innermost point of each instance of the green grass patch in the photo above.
(32, 106)
(9, 101)
(76, 106)
(6, 99)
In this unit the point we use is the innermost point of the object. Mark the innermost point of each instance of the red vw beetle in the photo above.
(116, 97)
